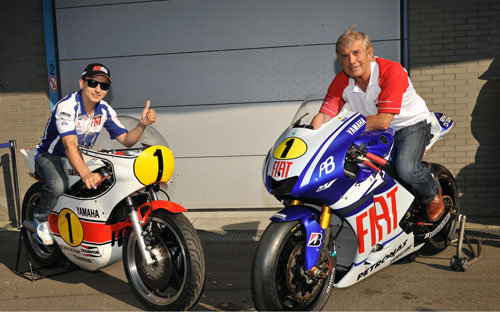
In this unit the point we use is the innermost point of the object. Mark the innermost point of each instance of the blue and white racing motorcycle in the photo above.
(347, 214)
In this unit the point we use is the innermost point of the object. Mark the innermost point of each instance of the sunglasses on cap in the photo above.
(93, 84)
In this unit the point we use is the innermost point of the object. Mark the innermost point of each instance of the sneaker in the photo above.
(42, 233)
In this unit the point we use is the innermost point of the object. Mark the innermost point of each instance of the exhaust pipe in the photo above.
(28, 224)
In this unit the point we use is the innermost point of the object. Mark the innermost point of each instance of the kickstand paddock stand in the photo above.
(34, 274)
(459, 262)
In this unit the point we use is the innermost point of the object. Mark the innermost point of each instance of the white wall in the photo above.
(225, 76)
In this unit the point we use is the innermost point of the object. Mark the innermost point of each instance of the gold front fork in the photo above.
(325, 217)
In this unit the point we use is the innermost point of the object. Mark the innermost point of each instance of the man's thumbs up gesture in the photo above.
(148, 115)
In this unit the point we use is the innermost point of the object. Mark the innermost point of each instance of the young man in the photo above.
(382, 91)
(76, 121)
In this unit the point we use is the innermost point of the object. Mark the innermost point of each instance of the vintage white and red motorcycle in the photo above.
(127, 216)
(347, 214)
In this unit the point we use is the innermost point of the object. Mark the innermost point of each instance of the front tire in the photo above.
(440, 241)
(43, 255)
(278, 279)
(176, 280)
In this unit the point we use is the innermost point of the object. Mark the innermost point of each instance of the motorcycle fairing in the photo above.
(92, 162)
(374, 219)
(333, 187)
(314, 232)
(440, 126)
(101, 244)
(366, 199)
(376, 222)
(386, 231)
(314, 181)
(379, 142)
(400, 246)
(162, 204)
(359, 192)
(327, 163)
(105, 241)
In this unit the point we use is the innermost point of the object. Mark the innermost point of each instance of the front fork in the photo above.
(325, 217)
(313, 228)
(139, 233)
(324, 221)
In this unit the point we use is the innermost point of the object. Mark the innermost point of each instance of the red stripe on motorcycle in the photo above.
(93, 232)
(53, 223)
(99, 232)
(162, 204)
(96, 232)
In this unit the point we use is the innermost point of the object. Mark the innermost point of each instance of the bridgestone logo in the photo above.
(315, 240)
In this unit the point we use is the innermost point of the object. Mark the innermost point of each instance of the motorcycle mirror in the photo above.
(298, 120)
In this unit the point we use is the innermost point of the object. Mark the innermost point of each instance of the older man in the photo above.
(382, 91)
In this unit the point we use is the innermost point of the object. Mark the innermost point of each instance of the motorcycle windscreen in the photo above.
(309, 108)
(150, 136)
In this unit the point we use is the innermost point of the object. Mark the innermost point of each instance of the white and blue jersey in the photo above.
(70, 118)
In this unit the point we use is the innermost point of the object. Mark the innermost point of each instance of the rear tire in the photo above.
(449, 188)
(175, 282)
(45, 256)
(278, 281)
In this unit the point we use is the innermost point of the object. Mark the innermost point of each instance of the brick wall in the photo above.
(24, 103)
(454, 58)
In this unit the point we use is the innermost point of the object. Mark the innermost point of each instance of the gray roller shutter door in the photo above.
(225, 76)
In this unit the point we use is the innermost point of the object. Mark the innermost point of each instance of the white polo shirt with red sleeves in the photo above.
(389, 91)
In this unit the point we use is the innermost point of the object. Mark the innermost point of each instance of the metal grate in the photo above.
(231, 236)
(484, 234)
(254, 235)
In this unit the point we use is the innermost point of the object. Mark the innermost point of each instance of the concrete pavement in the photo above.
(258, 220)
(229, 259)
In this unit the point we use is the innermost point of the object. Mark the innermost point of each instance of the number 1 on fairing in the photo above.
(70, 231)
(159, 154)
(288, 147)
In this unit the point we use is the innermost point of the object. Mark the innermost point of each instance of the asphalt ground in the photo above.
(427, 283)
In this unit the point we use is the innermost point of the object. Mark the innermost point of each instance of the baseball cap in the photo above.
(96, 69)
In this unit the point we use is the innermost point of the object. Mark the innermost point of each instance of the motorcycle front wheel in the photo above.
(176, 279)
(43, 255)
(278, 278)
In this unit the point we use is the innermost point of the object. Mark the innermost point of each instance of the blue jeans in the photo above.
(409, 143)
(51, 169)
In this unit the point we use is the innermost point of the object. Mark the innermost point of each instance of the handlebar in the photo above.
(371, 165)
(376, 159)
(361, 154)
(101, 180)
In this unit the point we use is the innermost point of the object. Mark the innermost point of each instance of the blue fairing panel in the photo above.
(314, 232)
(378, 142)
(292, 213)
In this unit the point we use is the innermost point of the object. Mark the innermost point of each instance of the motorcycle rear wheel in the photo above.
(175, 282)
(440, 241)
(278, 282)
(45, 256)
